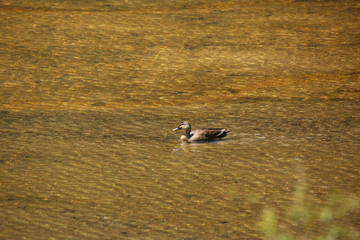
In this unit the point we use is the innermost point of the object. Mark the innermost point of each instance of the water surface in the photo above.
(92, 89)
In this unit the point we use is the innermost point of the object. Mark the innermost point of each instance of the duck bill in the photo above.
(175, 129)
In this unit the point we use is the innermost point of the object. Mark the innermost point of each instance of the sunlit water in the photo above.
(92, 91)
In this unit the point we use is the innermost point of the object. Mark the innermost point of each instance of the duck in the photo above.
(200, 135)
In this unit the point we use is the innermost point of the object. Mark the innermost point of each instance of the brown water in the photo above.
(90, 91)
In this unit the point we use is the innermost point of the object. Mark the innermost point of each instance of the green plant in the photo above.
(307, 220)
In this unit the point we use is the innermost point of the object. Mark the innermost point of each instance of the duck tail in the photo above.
(222, 133)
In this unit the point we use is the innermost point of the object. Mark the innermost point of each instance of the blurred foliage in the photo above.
(304, 219)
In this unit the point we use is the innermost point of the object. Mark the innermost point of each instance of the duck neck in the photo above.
(187, 131)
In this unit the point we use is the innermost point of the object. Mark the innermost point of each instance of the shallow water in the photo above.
(124, 173)
(93, 89)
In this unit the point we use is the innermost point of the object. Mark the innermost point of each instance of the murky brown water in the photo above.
(90, 91)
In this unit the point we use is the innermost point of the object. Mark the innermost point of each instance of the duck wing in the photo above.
(208, 134)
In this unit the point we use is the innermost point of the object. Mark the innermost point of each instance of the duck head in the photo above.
(184, 125)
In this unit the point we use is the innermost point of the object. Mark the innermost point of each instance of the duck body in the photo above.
(200, 135)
